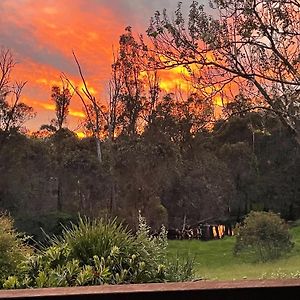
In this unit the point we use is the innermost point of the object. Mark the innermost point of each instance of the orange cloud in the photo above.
(175, 79)
(51, 107)
(43, 33)
(76, 113)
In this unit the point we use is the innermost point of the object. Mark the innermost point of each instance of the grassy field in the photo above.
(214, 260)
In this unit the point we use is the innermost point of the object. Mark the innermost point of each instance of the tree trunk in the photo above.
(99, 153)
(112, 205)
(59, 195)
(184, 222)
(297, 137)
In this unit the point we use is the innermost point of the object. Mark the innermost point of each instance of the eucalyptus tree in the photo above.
(247, 47)
(95, 111)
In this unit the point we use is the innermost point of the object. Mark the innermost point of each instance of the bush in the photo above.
(13, 249)
(51, 222)
(263, 235)
(96, 252)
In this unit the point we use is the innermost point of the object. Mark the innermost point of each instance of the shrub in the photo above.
(96, 252)
(13, 249)
(263, 235)
(32, 225)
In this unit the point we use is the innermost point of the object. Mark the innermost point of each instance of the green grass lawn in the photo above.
(214, 260)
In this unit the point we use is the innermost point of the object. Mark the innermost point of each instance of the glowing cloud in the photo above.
(43, 33)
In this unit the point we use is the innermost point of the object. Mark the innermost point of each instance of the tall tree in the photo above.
(252, 47)
(181, 118)
(132, 93)
(95, 111)
(61, 96)
(13, 112)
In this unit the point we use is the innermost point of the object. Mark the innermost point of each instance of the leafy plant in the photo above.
(264, 235)
(97, 252)
(13, 248)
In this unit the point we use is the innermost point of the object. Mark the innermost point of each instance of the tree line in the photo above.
(167, 154)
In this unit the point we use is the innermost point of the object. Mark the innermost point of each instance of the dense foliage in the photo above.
(100, 252)
(263, 234)
(13, 249)
(220, 174)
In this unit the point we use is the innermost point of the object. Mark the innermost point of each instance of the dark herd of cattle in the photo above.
(203, 232)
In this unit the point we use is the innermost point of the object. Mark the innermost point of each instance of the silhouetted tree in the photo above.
(252, 48)
(13, 112)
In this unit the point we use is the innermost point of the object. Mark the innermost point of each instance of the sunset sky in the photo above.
(43, 33)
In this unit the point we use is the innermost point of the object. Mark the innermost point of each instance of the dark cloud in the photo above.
(25, 45)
